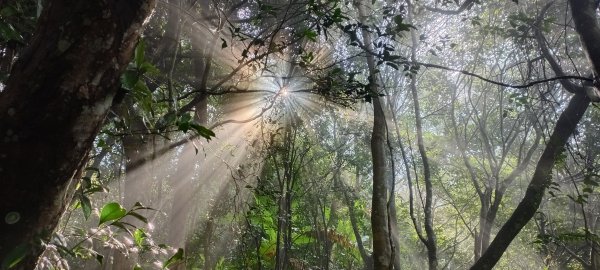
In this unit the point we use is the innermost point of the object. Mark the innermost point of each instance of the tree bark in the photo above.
(382, 250)
(379, 215)
(586, 25)
(431, 240)
(54, 104)
(565, 126)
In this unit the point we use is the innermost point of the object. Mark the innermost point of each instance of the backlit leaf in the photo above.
(86, 206)
(111, 211)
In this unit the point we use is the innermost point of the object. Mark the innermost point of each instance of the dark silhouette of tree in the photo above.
(54, 103)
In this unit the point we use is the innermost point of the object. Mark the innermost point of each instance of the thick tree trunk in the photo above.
(52, 108)
(485, 231)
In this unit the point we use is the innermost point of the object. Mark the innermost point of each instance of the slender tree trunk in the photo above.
(349, 199)
(209, 261)
(284, 213)
(430, 244)
(331, 224)
(51, 109)
(428, 208)
(382, 251)
(165, 50)
(482, 237)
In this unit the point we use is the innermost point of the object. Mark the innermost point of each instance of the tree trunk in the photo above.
(349, 199)
(482, 237)
(542, 178)
(586, 24)
(430, 242)
(382, 250)
(54, 104)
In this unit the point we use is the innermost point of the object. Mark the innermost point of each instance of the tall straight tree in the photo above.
(51, 109)
(382, 248)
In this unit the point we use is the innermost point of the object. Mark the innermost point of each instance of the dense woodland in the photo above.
(299, 134)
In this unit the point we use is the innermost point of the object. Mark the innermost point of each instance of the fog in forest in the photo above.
(267, 134)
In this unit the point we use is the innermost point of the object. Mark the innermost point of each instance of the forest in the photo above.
(299, 134)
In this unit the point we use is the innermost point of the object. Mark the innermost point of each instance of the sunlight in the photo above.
(284, 92)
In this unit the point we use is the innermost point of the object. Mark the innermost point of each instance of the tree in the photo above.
(587, 27)
(55, 100)
(382, 244)
(325, 190)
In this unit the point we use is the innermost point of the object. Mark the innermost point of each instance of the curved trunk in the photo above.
(430, 241)
(586, 24)
(542, 178)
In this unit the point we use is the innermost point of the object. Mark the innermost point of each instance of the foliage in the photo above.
(309, 204)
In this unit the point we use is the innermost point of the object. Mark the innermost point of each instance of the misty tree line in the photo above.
(299, 134)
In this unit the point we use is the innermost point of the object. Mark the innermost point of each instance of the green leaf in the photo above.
(143, 95)
(86, 206)
(129, 79)
(149, 68)
(139, 53)
(203, 131)
(111, 211)
(400, 25)
(15, 256)
(8, 32)
(142, 89)
(177, 257)
(183, 126)
(138, 216)
(310, 34)
(184, 122)
(137, 267)
(95, 189)
(138, 236)
(167, 120)
(186, 117)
